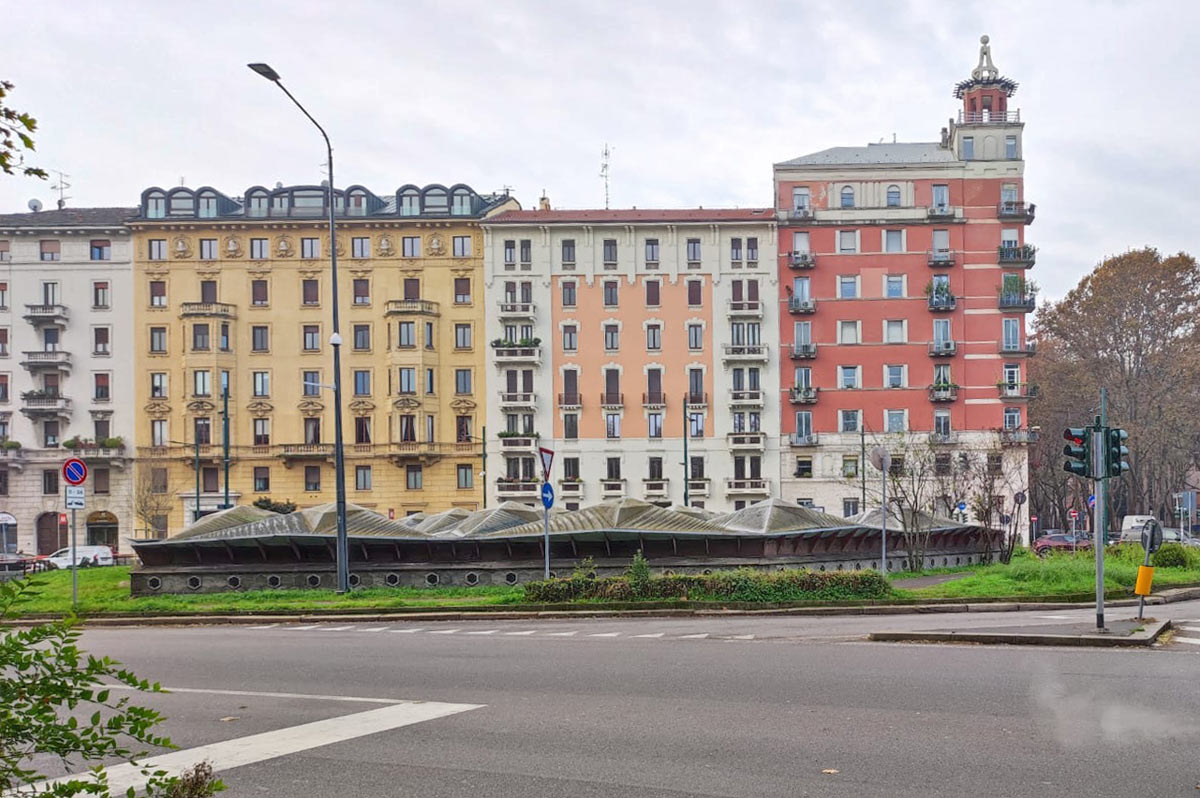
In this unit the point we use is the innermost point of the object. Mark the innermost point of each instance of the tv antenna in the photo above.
(605, 155)
(61, 187)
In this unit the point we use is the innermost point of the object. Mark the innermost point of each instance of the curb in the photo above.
(1139, 639)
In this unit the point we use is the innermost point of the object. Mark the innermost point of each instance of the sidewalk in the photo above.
(1124, 632)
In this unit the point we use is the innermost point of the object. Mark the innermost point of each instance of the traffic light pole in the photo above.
(1098, 468)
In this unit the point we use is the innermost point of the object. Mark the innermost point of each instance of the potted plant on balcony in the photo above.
(37, 393)
(11, 445)
(74, 443)
(115, 442)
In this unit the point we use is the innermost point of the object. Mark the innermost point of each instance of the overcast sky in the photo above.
(696, 99)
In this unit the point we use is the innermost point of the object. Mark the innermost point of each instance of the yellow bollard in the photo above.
(1144, 578)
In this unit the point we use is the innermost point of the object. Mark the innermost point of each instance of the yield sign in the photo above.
(547, 456)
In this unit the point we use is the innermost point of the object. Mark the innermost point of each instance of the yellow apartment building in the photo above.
(232, 295)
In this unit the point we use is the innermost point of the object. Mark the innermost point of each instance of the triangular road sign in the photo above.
(547, 456)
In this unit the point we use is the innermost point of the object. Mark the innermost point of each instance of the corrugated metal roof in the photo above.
(776, 515)
(890, 153)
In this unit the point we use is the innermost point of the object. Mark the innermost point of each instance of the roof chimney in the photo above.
(544, 202)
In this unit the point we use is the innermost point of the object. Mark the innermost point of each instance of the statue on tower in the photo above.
(986, 71)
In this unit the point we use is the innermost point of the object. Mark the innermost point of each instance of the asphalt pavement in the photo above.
(708, 706)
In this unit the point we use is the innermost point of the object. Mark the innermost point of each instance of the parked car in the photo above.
(86, 556)
(1048, 543)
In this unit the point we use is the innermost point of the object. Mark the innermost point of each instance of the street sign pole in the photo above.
(74, 566)
(547, 457)
(881, 458)
(75, 473)
(1098, 462)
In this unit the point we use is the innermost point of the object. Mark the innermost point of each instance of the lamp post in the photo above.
(335, 340)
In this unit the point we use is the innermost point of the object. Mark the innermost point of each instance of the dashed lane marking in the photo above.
(407, 631)
(485, 632)
(374, 629)
(655, 634)
(523, 634)
(700, 636)
(606, 634)
(446, 632)
(334, 628)
(742, 637)
(265, 626)
(561, 634)
(301, 628)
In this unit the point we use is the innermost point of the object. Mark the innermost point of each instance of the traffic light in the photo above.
(1078, 451)
(1115, 452)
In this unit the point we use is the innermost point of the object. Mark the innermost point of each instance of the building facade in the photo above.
(233, 299)
(66, 375)
(636, 345)
(903, 302)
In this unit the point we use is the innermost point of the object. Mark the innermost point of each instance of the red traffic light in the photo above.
(1075, 435)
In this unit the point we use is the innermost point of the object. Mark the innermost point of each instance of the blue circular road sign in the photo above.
(74, 471)
(547, 495)
(962, 507)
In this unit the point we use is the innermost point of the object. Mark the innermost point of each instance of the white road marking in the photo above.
(1056, 617)
(334, 628)
(254, 748)
(267, 626)
(408, 631)
(258, 694)
(1191, 628)
(656, 634)
(526, 632)
(446, 632)
(742, 637)
(561, 634)
(1191, 640)
(302, 628)
(487, 632)
(606, 634)
(374, 629)
(694, 637)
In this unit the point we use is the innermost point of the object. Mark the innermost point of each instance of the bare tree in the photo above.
(149, 504)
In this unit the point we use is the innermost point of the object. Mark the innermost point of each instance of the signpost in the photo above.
(881, 458)
(74, 473)
(547, 456)
(1152, 538)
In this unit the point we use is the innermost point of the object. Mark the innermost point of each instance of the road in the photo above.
(713, 706)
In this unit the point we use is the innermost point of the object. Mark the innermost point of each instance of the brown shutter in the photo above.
(412, 288)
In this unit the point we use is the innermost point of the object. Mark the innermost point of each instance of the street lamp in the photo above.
(335, 340)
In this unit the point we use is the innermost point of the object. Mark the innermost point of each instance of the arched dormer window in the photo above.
(357, 205)
(410, 202)
(206, 206)
(257, 203)
(181, 202)
(436, 201)
(847, 197)
(462, 203)
(156, 205)
(893, 196)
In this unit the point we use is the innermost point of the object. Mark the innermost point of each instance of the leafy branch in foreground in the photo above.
(16, 134)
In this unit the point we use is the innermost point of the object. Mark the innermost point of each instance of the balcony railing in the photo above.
(746, 440)
(510, 443)
(989, 117)
(943, 438)
(803, 395)
(1026, 348)
(738, 397)
(745, 307)
(802, 351)
(943, 393)
(518, 488)
(419, 306)
(942, 302)
(570, 487)
(1018, 300)
(519, 398)
(512, 309)
(306, 451)
(695, 400)
(655, 488)
(942, 348)
(798, 439)
(570, 401)
(220, 310)
(800, 304)
(801, 260)
(506, 352)
(1017, 390)
(1016, 210)
(46, 404)
(800, 214)
(698, 486)
(46, 360)
(610, 488)
(754, 485)
(941, 257)
(1019, 436)
(1016, 255)
(611, 399)
(51, 314)
(941, 211)
(654, 399)
(745, 351)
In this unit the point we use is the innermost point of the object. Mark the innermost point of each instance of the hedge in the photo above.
(740, 585)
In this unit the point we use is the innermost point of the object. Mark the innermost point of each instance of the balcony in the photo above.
(38, 403)
(943, 438)
(656, 488)
(756, 352)
(1019, 437)
(1017, 390)
(1016, 255)
(746, 441)
(517, 489)
(738, 398)
(107, 454)
(521, 443)
(570, 401)
(216, 310)
(941, 302)
(801, 304)
(1018, 349)
(12, 458)
(695, 401)
(612, 488)
(1023, 301)
(942, 212)
(406, 452)
(517, 310)
(989, 117)
(421, 307)
(803, 395)
(745, 308)
(748, 486)
(57, 360)
(797, 439)
(802, 351)
(517, 400)
(46, 314)
(1019, 211)
(799, 214)
(942, 348)
(292, 452)
(612, 401)
(938, 258)
(943, 393)
(570, 488)
(801, 260)
(699, 486)
(523, 353)
(654, 400)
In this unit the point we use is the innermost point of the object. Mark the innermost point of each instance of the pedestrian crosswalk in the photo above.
(556, 631)
(1187, 632)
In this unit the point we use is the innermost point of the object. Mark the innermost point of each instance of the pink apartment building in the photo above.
(903, 299)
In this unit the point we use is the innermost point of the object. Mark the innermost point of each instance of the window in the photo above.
(610, 252)
(413, 477)
(612, 337)
(262, 383)
(847, 197)
(312, 430)
(430, 383)
(610, 294)
(570, 338)
(408, 381)
(893, 196)
(406, 336)
(310, 248)
(893, 240)
(202, 382)
(571, 426)
(202, 430)
(968, 148)
(3, 286)
(462, 381)
(995, 463)
(655, 468)
(893, 331)
(49, 482)
(312, 478)
(362, 291)
(4, 342)
(894, 286)
(696, 425)
(410, 246)
(849, 466)
(50, 434)
(941, 423)
(362, 429)
(848, 287)
(260, 338)
(612, 425)
(848, 420)
(310, 383)
(157, 249)
(568, 294)
(695, 293)
(311, 338)
(462, 290)
(654, 425)
(50, 250)
(568, 252)
(208, 249)
(847, 332)
(1012, 418)
(847, 242)
(735, 249)
(695, 334)
(804, 468)
(462, 336)
(262, 432)
(262, 479)
(801, 198)
(158, 432)
(651, 251)
(894, 421)
(652, 294)
(653, 337)
(612, 468)
(362, 337)
(258, 249)
(847, 376)
(751, 250)
(101, 345)
(1010, 147)
(158, 340)
(158, 294)
(360, 247)
(461, 246)
(466, 477)
(158, 385)
(310, 292)
(893, 376)
(693, 252)
(849, 508)
(526, 251)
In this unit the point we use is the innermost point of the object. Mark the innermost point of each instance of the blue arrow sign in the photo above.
(962, 507)
(547, 495)
(1092, 501)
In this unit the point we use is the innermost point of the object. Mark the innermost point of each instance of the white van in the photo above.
(85, 555)
(1131, 527)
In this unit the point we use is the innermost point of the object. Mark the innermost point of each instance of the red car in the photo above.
(1048, 543)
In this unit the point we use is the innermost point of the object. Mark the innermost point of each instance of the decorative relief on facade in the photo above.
(360, 272)
(310, 407)
(284, 247)
(361, 406)
(233, 247)
(101, 414)
(181, 247)
(463, 405)
(260, 406)
(309, 274)
(157, 409)
(209, 273)
(201, 406)
(406, 403)
(260, 269)
(385, 247)
(435, 246)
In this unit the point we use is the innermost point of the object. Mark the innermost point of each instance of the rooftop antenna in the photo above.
(893, 137)
(61, 187)
(604, 162)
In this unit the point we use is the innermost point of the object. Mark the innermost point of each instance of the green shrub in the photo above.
(1171, 555)
(638, 574)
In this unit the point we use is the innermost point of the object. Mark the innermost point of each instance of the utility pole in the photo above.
(686, 472)
(225, 505)
(483, 467)
(862, 462)
(1098, 468)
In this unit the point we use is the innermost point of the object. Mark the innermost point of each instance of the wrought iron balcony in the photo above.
(1023, 211)
(804, 305)
(942, 348)
(1016, 255)
(218, 310)
(506, 353)
(745, 352)
(943, 438)
(748, 485)
(941, 302)
(800, 215)
(655, 400)
(695, 401)
(943, 393)
(802, 351)
(422, 307)
(941, 257)
(1019, 436)
(518, 399)
(1023, 301)
(801, 260)
(1017, 390)
(804, 395)
(745, 307)
(801, 440)
(611, 400)
(1019, 349)
(746, 398)
(570, 401)
(942, 211)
